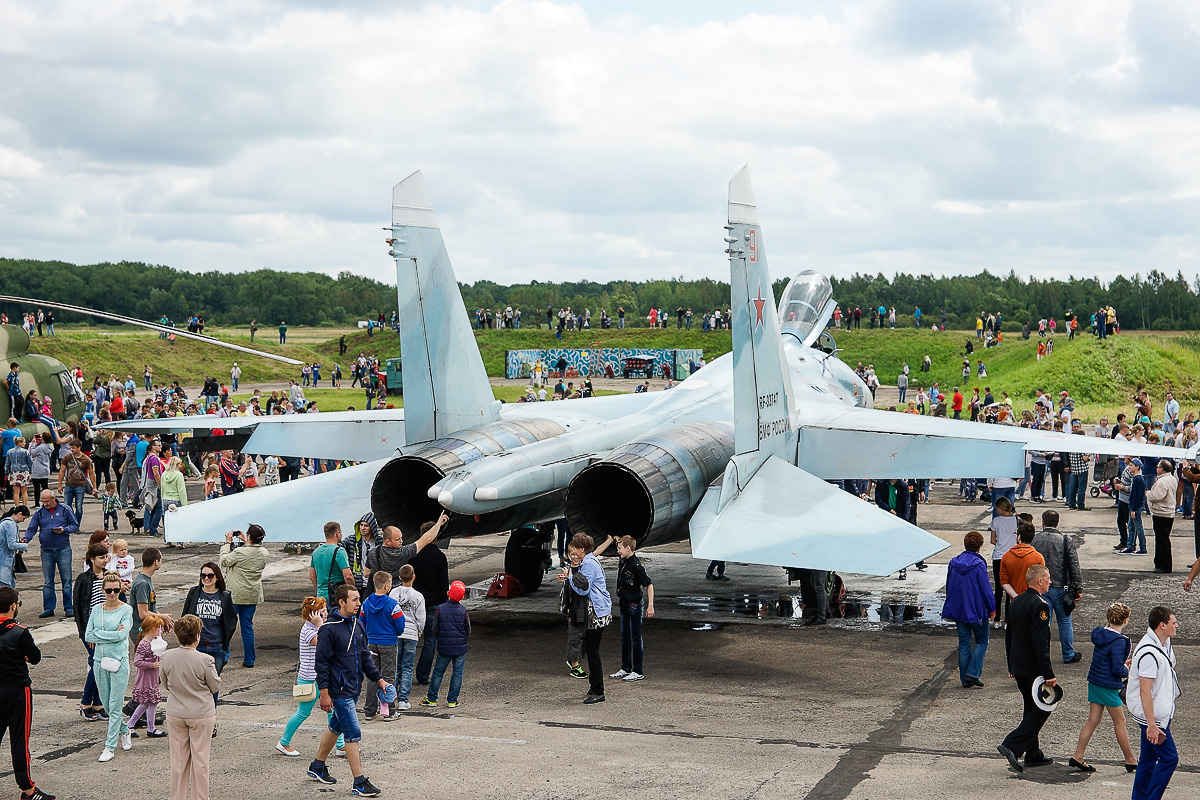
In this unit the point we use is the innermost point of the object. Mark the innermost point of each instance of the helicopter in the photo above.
(45, 375)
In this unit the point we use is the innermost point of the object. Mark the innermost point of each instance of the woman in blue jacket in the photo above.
(11, 542)
(970, 603)
(592, 607)
(1106, 678)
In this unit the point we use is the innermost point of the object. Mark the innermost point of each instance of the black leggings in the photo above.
(39, 485)
(1001, 595)
(103, 471)
(1057, 476)
(591, 646)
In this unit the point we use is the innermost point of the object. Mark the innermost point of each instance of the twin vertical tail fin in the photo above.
(765, 509)
(763, 403)
(445, 385)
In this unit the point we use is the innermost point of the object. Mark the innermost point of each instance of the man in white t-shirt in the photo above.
(1153, 687)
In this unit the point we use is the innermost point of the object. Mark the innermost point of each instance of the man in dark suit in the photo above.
(1027, 642)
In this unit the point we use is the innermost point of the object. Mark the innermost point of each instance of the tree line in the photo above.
(145, 291)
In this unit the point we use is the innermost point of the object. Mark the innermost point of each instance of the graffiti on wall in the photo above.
(604, 362)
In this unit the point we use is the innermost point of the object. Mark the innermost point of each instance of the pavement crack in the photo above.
(860, 759)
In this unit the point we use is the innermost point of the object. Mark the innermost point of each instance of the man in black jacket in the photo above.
(433, 582)
(1027, 642)
(17, 652)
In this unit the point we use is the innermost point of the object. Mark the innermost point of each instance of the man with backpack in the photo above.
(75, 476)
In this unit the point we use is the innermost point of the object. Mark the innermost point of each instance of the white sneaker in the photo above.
(401, 705)
(619, 674)
(633, 676)
(340, 753)
(126, 742)
(286, 750)
(107, 755)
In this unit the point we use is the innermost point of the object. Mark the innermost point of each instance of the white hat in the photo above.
(1046, 697)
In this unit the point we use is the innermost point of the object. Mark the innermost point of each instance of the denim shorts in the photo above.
(344, 719)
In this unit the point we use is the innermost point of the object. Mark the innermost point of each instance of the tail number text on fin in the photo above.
(773, 428)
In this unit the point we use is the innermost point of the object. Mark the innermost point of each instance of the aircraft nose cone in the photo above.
(446, 498)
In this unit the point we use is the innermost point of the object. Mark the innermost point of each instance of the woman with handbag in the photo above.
(11, 544)
(88, 594)
(591, 607)
(305, 691)
(108, 629)
(213, 605)
(1106, 685)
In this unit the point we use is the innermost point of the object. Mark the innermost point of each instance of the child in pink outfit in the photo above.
(145, 687)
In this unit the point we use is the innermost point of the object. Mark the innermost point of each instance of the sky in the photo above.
(595, 140)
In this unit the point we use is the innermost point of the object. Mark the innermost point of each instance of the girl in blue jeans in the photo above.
(314, 613)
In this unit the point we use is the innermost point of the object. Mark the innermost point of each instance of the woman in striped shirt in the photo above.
(314, 613)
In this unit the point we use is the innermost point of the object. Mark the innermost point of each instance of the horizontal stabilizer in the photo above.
(850, 455)
(295, 511)
(787, 517)
(364, 439)
(975, 434)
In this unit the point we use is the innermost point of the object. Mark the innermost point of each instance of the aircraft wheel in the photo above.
(526, 557)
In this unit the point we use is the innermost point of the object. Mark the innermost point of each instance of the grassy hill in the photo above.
(1099, 375)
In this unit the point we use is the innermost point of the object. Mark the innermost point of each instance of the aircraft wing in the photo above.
(862, 442)
(787, 517)
(295, 511)
(351, 435)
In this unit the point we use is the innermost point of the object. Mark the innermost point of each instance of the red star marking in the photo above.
(759, 302)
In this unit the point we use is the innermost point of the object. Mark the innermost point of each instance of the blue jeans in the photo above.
(153, 516)
(428, 649)
(344, 719)
(91, 695)
(970, 656)
(1136, 537)
(246, 623)
(220, 656)
(631, 637)
(404, 668)
(1155, 767)
(1076, 490)
(73, 495)
(1066, 628)
(60, 558)
(439, 672)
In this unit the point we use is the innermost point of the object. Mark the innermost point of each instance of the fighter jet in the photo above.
(738, 457)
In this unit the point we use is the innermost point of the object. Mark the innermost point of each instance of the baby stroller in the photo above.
(1105, 484)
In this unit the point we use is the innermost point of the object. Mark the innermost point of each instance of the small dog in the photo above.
(136, 523)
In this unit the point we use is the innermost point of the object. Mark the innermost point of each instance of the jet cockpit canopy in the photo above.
(806, 306)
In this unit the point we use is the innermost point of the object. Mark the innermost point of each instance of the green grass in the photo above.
(341, 399)
(126, 352)
(1099, 375)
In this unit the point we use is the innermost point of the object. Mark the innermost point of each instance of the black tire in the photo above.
(1095, 491)
(526, 557)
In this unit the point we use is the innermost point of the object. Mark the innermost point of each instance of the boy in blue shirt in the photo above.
(384, 622)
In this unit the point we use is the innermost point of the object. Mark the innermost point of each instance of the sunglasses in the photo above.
(204, 576)
(113, 590)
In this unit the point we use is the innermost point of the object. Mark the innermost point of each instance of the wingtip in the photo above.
(411, 204)
(741, 198)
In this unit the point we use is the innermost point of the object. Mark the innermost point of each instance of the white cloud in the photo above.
(594, 141)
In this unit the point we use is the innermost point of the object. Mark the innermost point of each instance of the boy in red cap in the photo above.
(451, 627)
